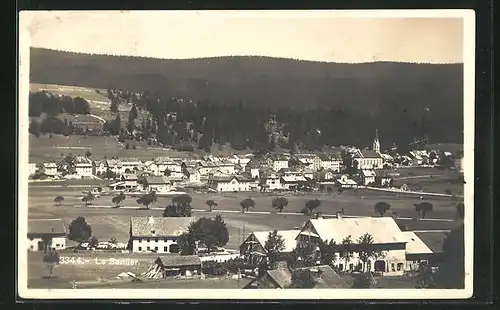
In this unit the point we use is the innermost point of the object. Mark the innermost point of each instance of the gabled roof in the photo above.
(113, 162)
(383, 229)
(368, 173)
(293, 178)
(129, 177)
(281, 276)
(229, 178)
(415, 245)
(49, 165)
(179, 260)
(326, 277)
(162, 226)
(191, 170)
(288, 237)
(368, 154)
(46, 226)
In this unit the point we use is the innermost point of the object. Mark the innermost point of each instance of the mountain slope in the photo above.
(390, 93)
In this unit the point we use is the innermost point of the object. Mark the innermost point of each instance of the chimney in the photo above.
(338, 214)
(395, 215)
(151, 220)
(319, 215)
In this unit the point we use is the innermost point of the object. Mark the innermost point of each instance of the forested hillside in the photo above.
(346, 102)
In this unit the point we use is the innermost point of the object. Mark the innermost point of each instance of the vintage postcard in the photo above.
(246, 154)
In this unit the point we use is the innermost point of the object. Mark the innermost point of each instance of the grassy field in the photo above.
(88, 94)
(107, 222)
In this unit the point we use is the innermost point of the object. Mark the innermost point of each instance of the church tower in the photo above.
(376, 143)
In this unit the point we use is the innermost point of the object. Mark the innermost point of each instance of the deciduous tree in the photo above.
(79, 230)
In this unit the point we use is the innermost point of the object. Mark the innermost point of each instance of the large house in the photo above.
(114, 165)
(156, 184)
(193, 175)
(253, 248)
(157, 234)
(129, 165)
(233, 183)
(84, 167)
(329, 162)
(129, 181)
(416, 251)
(46, 233)
(309, 160)
(50, 169)
(367, 177)
(368, 159)
(387, 238)
(99, 167)
(277, 161)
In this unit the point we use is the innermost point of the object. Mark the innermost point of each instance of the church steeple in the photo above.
(376, 142)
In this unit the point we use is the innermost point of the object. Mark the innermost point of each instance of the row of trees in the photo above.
(52, 105)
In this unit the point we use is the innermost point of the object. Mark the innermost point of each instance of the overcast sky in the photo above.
(312, 35)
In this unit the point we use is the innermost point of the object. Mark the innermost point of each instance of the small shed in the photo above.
(175, 265)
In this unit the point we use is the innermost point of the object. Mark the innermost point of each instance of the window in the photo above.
(156, 239)
(341, 267)
(400, 267)
(148, 248)
(165, 249)
(393, 268)
(31, 247)
(351, 266)
(58, 245)
(31, 239)
(140, 240)
(156, 248)
(139, 248)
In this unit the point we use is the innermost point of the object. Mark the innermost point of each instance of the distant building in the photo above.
(345, 182)
(277, 161)
(129, 165)
(233, 183)
(376, 143)
(129, 181)
(99, 167)
(368, 160)
(50, 169)
(114, 165)
(367, 177)
(329, 162)
(156, 184)
(157, 234)
(46, 232)
(178, 265)
(31, 169)
(84, 167)
(193, 175)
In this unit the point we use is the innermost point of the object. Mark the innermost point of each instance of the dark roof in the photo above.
(328, 278)
(254, 164)
(325, 157)
(433, 240)
(162, 226)
(281, 276)
(370, 154)
(179, 260)
(46, 226)
(129, 177)
(225, 178)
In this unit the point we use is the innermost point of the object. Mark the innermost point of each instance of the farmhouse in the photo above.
(157, 234)
(253, 248)
(156, 184)
(129, 181)
(50, 169)
(368, 159)
(44, 233)
(175, 265)
(234, 183)
(416, 251)
(387, 238)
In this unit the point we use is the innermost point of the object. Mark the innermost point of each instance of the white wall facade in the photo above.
(232, 186)
(58, 243)
(158, 244)
(83, 170)
(369, 163)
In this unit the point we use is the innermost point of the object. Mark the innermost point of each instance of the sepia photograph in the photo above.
(246, 154)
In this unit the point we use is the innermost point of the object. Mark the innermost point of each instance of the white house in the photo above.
(129, 165)
(345, 182)
(157, 184)
(52, 231)
(277, 161)
(253, 248)
(234, 183)
(129, 181)
(271, 183)
(386, 235)
(157, 234)
(368, 160)
(50, 169)
(290, 182)
(329, 162)
(99, 167)
(83, 166)
(31, 168)
(193, 175)
(367, 177)
(114, 165)
(309, 160)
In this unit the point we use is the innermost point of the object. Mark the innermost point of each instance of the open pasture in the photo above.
(89, 94)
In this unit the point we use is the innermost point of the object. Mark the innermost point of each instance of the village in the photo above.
(362, 239)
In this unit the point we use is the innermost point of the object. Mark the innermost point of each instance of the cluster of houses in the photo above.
(238, 173)
(399, 251)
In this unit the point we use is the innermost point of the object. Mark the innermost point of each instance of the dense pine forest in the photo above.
(242, 100)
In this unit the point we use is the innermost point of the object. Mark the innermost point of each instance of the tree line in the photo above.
(53, 105)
